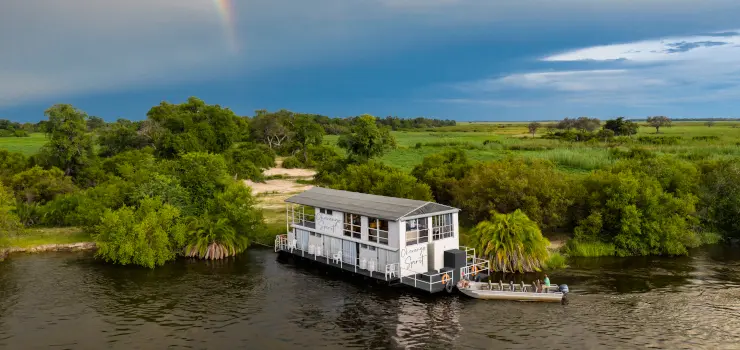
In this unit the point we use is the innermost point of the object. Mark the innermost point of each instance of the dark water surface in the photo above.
(70, 301)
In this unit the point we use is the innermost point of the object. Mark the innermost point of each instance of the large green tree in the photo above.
(720, 197)
(512, 242)
(535, 186)
(192, 126)
(149, 235)
(380, 179)
(442, 172)
(70, 146)
(632, 211)
(306, 132)
(366, 140)
(658, 122)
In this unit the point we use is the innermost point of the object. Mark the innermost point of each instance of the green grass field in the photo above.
(513, 139)
(58, 235)
(26, 145)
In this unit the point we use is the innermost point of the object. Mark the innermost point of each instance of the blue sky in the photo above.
(457, 59)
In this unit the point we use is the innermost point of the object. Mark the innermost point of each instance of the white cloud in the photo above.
(676, 70)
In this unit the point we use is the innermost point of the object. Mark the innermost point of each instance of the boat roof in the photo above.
(381, 207)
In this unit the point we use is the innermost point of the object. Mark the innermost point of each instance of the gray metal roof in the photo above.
(382, 207)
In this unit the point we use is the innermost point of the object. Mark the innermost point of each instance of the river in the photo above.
(253, 301)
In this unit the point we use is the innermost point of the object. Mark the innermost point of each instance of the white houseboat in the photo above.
(413, 242)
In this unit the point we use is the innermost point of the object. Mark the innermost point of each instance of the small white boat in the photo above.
(498, 291)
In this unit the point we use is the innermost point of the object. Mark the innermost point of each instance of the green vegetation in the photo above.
(512, 242)
(166, 186)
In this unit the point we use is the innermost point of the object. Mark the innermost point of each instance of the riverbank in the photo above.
(55, 239)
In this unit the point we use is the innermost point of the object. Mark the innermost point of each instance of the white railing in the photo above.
(428, 281)
(281, 242)
(475, 267)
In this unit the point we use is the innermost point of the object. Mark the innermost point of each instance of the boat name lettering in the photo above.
(413, 256)
(327, 223)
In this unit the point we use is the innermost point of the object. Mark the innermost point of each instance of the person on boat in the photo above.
(547, 284)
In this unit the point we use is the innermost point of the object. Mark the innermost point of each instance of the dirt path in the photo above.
(272, 193)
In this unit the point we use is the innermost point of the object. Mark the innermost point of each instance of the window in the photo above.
(325, 211)
(352, 225)
(417, 231)
(377, 230)
(442, 226)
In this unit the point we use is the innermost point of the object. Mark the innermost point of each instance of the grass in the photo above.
(589, 249)
(58, 235)
(26, 145)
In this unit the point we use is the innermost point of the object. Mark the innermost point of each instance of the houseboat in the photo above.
(395, 240)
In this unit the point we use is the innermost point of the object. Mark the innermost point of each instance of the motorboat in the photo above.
(511, 291)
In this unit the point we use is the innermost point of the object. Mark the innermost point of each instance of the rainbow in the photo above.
(226, 11)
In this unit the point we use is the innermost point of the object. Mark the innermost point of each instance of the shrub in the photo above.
(512, 242)
(292, 162)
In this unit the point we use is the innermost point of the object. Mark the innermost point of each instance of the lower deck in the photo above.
(432, 281)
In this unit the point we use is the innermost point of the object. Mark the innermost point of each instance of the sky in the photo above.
(488, 60)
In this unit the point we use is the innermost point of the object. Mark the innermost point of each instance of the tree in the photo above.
(632, 211)
(204, 175)
(70, 146)
(710, 123)
(95, 123)
(192, 126)
(366, 140)
(512, 242)
(586, 124)
(380, 179)
(658, 122)
(306, 132)
(621, 127)
(11, 164)
(230, 223)
(120, 137)
(37, 185)
(720, 197)
(248, 161)
(148, 236)
(271, 128)
(10, 224)
(533, 126)
(442, 172)
(534, 186)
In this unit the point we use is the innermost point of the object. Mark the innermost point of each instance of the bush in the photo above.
(660, 140)
(589, 249)
(292, 162)
(148, 236)
(555, 261)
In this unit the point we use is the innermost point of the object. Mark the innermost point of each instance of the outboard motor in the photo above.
(564, 289)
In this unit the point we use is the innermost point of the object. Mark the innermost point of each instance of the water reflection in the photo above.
(69, 300)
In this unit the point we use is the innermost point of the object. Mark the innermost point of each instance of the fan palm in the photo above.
(512, 242)
(213, 239)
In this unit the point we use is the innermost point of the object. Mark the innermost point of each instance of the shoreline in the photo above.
(63, 247)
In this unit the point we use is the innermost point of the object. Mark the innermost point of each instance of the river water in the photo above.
(254, 301)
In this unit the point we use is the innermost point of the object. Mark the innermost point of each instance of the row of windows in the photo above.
(417, 230)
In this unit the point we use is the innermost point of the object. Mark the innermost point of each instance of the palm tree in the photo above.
(512, 242)
(213, 239)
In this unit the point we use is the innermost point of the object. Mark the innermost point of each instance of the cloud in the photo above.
(678, 70)
(52, 49)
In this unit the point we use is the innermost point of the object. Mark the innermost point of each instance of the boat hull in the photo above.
(474, 291)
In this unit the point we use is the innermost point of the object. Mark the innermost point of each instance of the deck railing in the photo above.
(427, 281)
(282, 242)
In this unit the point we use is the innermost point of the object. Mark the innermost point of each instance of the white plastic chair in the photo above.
(337, 257)
(371, 266)
(292, 244)
(311, 249)
(390, 271)
(363, 263)
(318, 250)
